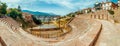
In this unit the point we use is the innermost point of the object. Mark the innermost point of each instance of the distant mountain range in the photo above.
(39, 13)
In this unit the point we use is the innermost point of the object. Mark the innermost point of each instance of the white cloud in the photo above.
(10, 1)
(64, 3)
(69, 4)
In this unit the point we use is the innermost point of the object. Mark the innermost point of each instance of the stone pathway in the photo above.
(110, 34)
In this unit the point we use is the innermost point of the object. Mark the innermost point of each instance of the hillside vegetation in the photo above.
(16, 14)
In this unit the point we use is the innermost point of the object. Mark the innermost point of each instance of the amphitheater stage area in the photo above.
(83, 33)
(91, 30)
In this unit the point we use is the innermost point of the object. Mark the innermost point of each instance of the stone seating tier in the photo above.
(82, 32)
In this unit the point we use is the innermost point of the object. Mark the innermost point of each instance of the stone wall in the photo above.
(101, 15)
(2, 42)
(51, 32)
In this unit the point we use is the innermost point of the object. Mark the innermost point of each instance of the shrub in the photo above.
(38, 22)
(111, 12)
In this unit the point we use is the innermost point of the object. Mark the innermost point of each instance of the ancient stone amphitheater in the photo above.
(92, 29)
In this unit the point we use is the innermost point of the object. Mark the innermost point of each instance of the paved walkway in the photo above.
(0, 44)
(110, 34)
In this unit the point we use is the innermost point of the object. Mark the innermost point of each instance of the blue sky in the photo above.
(60, 7)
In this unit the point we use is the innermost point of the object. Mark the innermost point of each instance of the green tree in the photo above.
(3, 8)
(38, 22)
(71, 14)
(19, 8)
(13, 13)
(111, 12)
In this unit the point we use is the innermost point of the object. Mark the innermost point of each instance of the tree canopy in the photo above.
(15, 13)
(38, 22)
(19, 8)
(3, 8)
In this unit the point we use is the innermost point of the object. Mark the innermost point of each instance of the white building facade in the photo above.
(106, 6)
(119, 3)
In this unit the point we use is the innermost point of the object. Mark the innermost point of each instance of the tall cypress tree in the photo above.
(19, 8)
